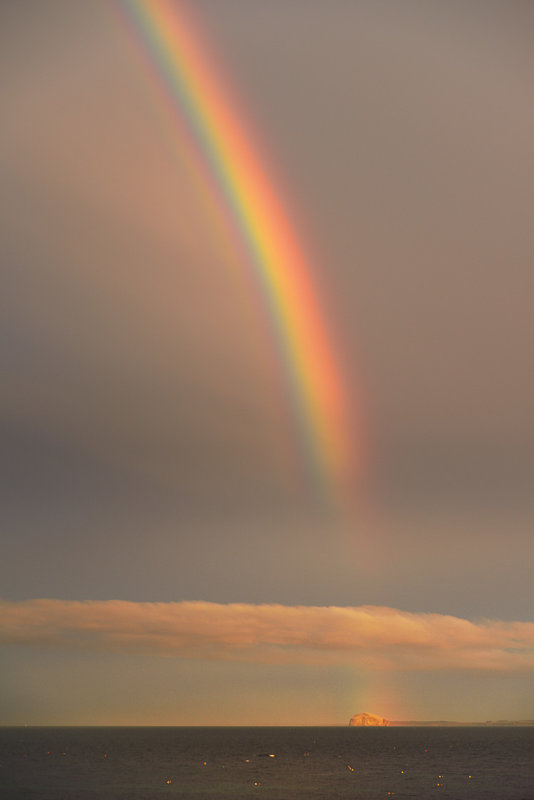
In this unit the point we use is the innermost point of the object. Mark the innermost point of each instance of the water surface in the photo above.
(271, 763)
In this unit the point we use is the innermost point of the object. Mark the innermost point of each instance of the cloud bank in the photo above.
(367, 636)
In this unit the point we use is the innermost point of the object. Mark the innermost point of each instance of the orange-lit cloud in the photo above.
(367, 636)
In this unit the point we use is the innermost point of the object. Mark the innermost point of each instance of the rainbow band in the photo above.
(274, 255)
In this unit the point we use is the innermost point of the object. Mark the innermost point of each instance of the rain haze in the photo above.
(169, 552)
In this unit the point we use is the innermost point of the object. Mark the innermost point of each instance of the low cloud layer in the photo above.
(367, 636)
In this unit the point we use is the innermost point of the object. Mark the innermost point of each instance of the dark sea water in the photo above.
(216, 763)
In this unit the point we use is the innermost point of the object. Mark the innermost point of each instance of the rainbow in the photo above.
(202, 101)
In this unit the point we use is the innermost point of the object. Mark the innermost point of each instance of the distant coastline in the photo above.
(501, 723)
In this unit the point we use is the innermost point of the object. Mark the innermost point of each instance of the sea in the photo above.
(135, 763)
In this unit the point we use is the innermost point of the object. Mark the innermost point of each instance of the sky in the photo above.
(169, 553)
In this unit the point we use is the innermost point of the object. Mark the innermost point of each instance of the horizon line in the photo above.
(392, 723)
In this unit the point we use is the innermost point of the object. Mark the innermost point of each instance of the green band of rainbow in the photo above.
(194, 87)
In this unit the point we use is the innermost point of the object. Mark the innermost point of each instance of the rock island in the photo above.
(364, 720)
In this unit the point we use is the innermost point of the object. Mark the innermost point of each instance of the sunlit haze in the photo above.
(267, 410)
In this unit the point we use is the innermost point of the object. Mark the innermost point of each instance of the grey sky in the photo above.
(145, 447)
